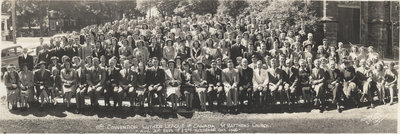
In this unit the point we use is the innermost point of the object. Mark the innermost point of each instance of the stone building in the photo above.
(368, 23)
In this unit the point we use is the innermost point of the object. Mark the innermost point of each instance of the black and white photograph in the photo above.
(199, 66)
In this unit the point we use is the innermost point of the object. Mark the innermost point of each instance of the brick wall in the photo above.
(374, 26)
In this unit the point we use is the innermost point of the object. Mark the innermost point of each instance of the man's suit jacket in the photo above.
(156, 76)
(333, 75)
(96, 76)
(127, 76)
(28, 61)
(43, 56)
(141, 79)
(275, 75)
(236, 51)
(112, 76)
(214, 76)
(291, 75)
(81, 74)
(98, 53)
(44, 79)
(115, 50)
(245, 76)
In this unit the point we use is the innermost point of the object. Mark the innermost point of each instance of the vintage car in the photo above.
(10, 54)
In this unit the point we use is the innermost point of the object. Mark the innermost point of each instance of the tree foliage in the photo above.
(164, 7)
(33, 12)
(297, 14)
(201, 7)
(29, 13)
(232, 8)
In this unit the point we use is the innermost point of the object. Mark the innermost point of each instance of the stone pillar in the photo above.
(364, 23)
(329, 20)
(377, 26)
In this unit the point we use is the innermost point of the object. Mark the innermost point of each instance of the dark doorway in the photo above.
(349, 25)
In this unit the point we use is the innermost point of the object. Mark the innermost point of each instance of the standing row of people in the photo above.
(233, 62)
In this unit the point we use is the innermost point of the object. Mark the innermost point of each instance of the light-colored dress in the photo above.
(173, 76)
(69, 80)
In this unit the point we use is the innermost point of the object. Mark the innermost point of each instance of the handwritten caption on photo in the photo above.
(183, 128)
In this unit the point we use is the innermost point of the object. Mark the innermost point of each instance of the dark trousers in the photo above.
(108, 93)
(337, 93)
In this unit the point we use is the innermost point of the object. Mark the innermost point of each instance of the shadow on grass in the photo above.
(124, 112)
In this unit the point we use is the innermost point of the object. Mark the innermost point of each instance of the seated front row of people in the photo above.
(282, 82)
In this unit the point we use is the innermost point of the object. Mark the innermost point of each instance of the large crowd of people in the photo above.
(216, 61)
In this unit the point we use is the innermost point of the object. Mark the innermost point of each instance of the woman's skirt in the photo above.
(173, 90)
(13, 95)
(69, 88)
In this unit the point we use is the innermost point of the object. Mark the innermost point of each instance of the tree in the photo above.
(164, 7)
(255, 7)
(112, 10)
(29, 13)
(34, 12)
(232, 8)
(200, 7)
(294, 15)
(291, 13)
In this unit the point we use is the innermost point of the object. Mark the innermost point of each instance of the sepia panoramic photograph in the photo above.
(199, 66)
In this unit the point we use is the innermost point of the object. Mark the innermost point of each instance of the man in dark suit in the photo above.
(126, 83)
(43, 55)
(214, 83)
(96, 78)
(262, 53)
(57, 51)
(245, 82)
(42, 82)
(156, 81)
(112, 79)
(334, 83)
(249, 53)
(115, 47)
(25, 58)
(236, 51)
(290, 82)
